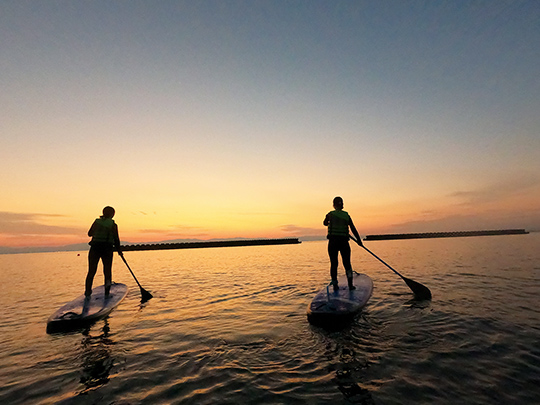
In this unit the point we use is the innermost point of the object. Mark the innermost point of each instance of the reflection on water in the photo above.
(229, 326)
(350, 374)
(97, 358)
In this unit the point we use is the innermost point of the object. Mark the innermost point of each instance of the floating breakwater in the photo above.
(446, 234)
(211, 244)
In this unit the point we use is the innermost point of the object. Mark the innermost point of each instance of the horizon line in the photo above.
(306, 238)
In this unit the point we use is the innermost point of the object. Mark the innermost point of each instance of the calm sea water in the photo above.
(228, 326)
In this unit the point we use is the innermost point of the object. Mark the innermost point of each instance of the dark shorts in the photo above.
(338, 244)
(103, 251)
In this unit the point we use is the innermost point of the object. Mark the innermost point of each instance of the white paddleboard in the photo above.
(83, 311)
(332, 307)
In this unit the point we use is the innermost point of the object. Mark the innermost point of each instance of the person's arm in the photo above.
(355, 232)
(326, 220)
(116, 237)
(92, 229)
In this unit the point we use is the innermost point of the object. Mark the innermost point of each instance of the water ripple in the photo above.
(229, 326)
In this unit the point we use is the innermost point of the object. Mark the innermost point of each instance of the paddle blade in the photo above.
(420, 291)
(145, 295)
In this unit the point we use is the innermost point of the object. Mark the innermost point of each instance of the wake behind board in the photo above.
(334, 307)
(82, 311)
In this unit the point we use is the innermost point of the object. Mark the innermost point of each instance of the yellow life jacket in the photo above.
(339, 223)
(103, 232)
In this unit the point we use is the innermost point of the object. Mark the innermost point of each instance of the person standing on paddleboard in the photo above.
(104, 234)
(338, 223)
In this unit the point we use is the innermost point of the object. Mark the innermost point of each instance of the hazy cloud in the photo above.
(144, 213)
(177, 232)
(500, 190)
(477, 211)
(526, 220)
(29, 224)
(303, 231)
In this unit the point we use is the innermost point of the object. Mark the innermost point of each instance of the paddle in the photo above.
(145, 295)
(420, 291)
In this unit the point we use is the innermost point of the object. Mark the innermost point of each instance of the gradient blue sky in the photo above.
(245, 118)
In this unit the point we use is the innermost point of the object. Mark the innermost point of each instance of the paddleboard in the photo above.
(334, 307)
(83, 311)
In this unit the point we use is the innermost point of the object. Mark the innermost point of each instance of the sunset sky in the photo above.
(218, 119)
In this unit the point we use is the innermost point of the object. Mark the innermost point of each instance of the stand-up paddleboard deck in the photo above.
(83, 311)
(330, 307)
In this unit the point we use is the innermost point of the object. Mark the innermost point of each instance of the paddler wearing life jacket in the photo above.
(105, 239)
(339, 222)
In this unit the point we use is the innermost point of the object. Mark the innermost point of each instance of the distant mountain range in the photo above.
(39, 249)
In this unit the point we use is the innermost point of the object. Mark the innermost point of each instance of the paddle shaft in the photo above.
(377, 257)
(129, 268)
(383, 262)
(146, 295)
(419, 290)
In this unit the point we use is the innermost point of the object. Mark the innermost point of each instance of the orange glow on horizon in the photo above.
(237, 215)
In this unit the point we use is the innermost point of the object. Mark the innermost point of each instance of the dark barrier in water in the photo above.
(445, 234)
(211, 244)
